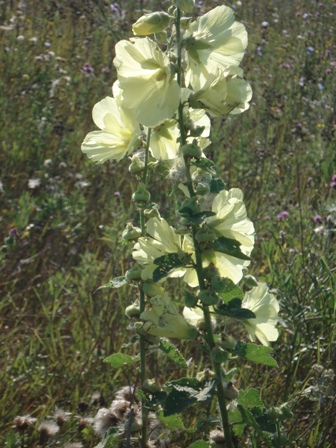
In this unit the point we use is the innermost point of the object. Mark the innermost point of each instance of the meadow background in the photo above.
(55, 330)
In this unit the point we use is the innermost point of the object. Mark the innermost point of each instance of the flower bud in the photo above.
(218, 283)
(190, 299)
(185, 22)
(152, 212)
(208, 297)
(250, 281)
(191, 204)
(133, 310)
(205, 375)
(202, 188)
(133, 274)
(161, 36)
(131, 232)
(136, 165)
(141, 195)
(205, 234)
(219, 355)
(152, 289)
(151, 385)
(230, 391)
(185, 5)
(191, 150)
(151, 23)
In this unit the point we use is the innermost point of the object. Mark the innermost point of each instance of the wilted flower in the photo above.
(161, 318)
(147, 81)
(118, 136)
(214, 41)
(265, 307)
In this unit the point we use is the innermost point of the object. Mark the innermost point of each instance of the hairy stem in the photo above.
(209, 336)
(142, 341)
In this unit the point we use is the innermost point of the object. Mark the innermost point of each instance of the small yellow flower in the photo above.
(266, 308)
(214, 41)
(147, 81)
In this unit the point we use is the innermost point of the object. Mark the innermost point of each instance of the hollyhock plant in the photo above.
(169, 90)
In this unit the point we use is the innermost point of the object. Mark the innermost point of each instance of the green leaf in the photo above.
(198, 218)
(153, 400)
(217, 185)
(205, 164)
(234, 310)
(256, 353)
(183, 396)
(167, 263)
(173, 353)
(228, 246)
(172, 422)
(116, 282)
(195, 218)
(118, 360)
(200, 444)
(249, 398)
(236, 419)
(228, 290)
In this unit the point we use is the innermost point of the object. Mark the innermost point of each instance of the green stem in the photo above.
(209, 335)
(142, 341)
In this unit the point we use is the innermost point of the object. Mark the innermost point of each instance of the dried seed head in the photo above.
(120, 407)
(126, 393)
(84, 422)
(23, 422)
(104, 419)
(47, 429)
(60, 416)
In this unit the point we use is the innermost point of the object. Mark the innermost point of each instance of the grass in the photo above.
(55, 329)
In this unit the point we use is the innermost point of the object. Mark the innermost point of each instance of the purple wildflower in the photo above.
(317, 219)
(282, 215)
(87, 68)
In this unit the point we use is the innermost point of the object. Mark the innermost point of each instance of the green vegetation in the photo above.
(56, 328)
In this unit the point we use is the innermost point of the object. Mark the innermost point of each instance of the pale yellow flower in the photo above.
(214, 41)
(164, 144)
(229, 222)
(118, 135)
(161, 318)
(147, 81)
(162, 240)
(266, 308)
(225, 94)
